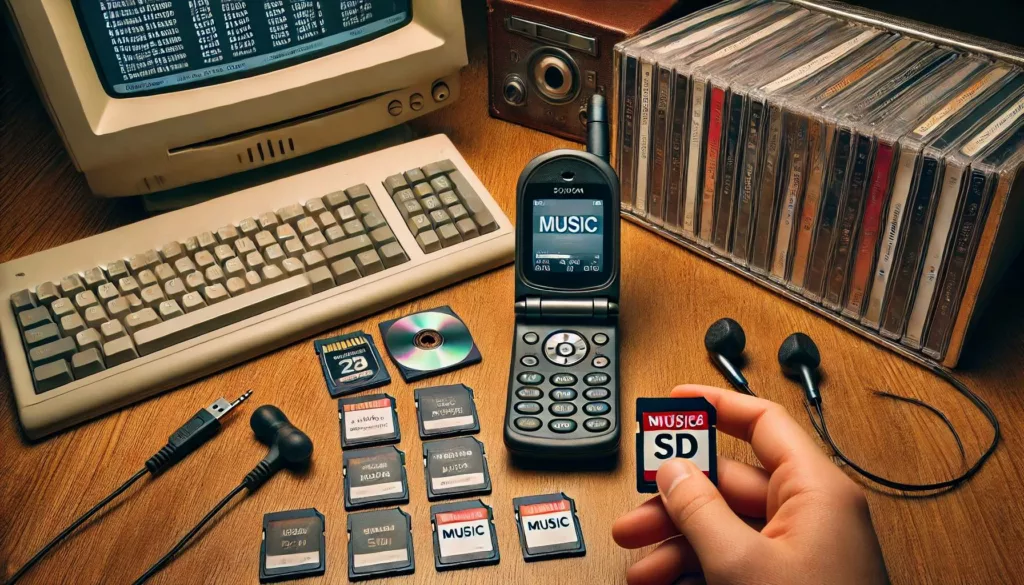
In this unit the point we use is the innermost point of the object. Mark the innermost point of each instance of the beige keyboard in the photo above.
(103, 322)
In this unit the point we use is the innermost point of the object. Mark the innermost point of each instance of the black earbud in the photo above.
(289, 446)
(725, 341)
(799, 358)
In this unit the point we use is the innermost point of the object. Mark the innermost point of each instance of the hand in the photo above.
(816, 524)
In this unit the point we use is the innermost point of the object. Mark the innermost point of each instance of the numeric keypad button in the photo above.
(563, 425)
(596, 425)
(562, 379)
(529, 408)
(562, 409)
(527, 393)
(531, 378)
(596, 408)
(596, 393)
(527, 423)
(596, 379)
(562, 394)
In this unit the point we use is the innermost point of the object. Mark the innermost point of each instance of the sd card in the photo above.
(351, 363)
(455, 467)
(379, 544)
(674, 427)
(444, 411)
(368, 420)
(548, 527)
(374, 477)
(464, 535)
(293, 545)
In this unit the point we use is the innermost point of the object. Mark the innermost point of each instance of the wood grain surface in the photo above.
(974, 534)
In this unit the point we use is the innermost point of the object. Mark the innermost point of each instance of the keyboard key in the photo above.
(169, 310)
(61, 308)
(118, 308)
(235, 267)
(227, 234)
(392, 254)
(175, 289)
(469, 196)
(223, 253)
(215, 274)
(414, 176)
(596, 425)
(207, 242)
(201, 320)
(448, 198)
(562, 425)
(418, 223)
(171, 252)
(107, 292)
(61, 349)
(326, 220)
(314, 207)
(485, 220)
(93, 278)
(348, 247)
(369, 262)
(354, 227)
(164, 272)
(410, 208)
(139, 320)
(268, 220)
(423, 190)
(366, 206)
(428, 241)
(273, 255)
(313, 259)
(147, 259)
(154, 295)
(358, 192)
(204, 260)
(402, 196)
(134, 303)
(184, 266)
(431, 203)
(41, 335)
(85, 299)
(394, 183)
(88, 338)
(87, 363)
(192, 301)
(335, 200)
(235, 285)
(128, 284)
(268, 274)
(146, 278)
(248, 226)
(527, 423)
(344, 271)
(71, 324)
(448, 235)
(441, 183)
(291, 213)
(115, 271)
(306, 226)
(253, 280)
(195, 281)
(264, 240)
(119, 351)
(374, 220)
(467, 228)
(51, 375)
(382, 235)
(346, 213)
(215, 293)
(71, 285)
(33, 318)
(255, 261)
(94, 316)
(436, 168)
(283, 233)
(335, 233)
(46, 293)
(320, 279)
(112, 330)
(292, 266)
(191, 245)
(315, 241)
(293, 248)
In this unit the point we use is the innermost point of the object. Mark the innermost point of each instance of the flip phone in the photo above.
(563, 387)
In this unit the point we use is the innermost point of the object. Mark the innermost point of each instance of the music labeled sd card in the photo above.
(548, 527)
(293, 545)
(368, 420)
(464, 535)
(379, 544)
(351, 363)
(444, 411)
(375, 477)
(455, 467)
(674, 427)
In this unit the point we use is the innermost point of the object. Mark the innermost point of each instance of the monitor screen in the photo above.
(568, 242)
(143, 47)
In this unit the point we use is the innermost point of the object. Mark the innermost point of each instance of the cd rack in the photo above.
(861, 165)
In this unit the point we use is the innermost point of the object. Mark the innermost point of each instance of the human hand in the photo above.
(816, 523)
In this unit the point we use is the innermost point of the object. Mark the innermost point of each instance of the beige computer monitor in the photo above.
(138, 145)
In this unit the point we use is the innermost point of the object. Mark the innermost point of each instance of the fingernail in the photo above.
(671, 473)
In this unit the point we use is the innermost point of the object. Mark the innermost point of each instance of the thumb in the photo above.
(702, 516)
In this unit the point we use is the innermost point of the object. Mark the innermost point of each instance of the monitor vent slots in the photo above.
(268, 149)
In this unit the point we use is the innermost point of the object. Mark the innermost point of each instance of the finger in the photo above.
(665, 564)
(700, 513)
(774, 435)
(744, 487)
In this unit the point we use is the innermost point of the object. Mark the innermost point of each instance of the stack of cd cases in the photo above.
(862, 165)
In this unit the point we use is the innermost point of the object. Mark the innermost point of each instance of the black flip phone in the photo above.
(563, 387)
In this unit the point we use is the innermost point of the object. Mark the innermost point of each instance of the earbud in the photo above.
(799, 358)
(289, 446)
(725, 341)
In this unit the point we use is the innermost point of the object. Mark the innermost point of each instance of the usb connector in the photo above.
(191, 435)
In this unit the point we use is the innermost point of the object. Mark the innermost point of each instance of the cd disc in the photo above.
(428, 341)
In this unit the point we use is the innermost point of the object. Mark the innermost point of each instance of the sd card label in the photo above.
(547, 524)
(463, 532)
(369, 419)
(668, 435)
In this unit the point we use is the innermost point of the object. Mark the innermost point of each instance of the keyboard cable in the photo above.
(190, 436)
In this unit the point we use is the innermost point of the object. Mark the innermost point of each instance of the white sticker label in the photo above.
(455, 481)
(360, 492)
(669, 435)
(547, 524)
(447, 423)
(293, 560)
(463, 532)
(369, 422)
(379, 558)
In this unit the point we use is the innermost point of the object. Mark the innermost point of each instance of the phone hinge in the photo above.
(537, 307)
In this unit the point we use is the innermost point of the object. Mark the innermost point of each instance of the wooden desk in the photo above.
(669, 297)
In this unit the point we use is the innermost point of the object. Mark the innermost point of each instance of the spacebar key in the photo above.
(232, 310)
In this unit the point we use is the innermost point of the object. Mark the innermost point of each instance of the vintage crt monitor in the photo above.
(149, 95)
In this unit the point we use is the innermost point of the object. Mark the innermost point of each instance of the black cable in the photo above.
(199, 429)
(976, 400)
(71, 528)
(188, 536)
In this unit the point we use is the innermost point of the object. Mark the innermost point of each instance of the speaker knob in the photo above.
(514, 91)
